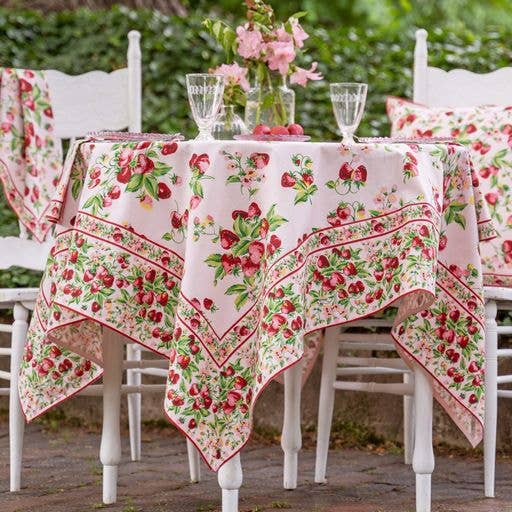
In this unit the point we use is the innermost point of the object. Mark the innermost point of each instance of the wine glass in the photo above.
(205, 94)
(348, 101)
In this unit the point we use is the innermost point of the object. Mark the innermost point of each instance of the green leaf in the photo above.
(213, 260)
(236, 288)
(135, 183)
(331, 184)
(241, 300)
(151, 185)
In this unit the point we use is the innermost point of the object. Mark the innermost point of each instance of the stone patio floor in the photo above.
(62, 473)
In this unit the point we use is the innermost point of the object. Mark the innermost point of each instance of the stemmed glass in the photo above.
(205, 94)
(348, 101)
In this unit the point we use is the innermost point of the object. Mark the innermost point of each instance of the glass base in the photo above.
(205, 135)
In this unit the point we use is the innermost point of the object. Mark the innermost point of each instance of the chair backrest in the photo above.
(435, 87)
(82, 103)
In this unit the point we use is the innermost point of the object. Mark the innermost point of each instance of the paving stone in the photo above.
(62, 473)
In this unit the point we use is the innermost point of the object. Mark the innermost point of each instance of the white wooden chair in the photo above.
(82, 103)
(461, 88)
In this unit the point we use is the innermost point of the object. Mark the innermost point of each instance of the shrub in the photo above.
(83, 40)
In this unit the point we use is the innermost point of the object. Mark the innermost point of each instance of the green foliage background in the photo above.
(361, 47)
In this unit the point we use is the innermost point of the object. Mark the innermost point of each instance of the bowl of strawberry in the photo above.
(292, 132)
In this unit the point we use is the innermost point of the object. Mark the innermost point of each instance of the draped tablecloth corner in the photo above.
(30, 153)
(221, 256)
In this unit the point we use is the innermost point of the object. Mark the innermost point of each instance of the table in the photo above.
(221, 255)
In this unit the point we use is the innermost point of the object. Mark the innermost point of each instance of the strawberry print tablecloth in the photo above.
(221, 256)
(30, 154)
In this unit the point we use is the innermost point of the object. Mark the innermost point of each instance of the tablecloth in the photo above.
(221, 255)
(30, 154)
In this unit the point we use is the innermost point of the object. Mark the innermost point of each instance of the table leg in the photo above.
(194, 462)
(134, 378)
(230, 479)
(110, 451)
(423, 458)
(291, 437)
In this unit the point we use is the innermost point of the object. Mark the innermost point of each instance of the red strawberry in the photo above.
(322, 262)
(228, 238)
(360, 174)
(229, 262)
(124, 175)
(192, 424)
(143, 165)
(345, 172)
(256, 250)
(55, 351)
(183, 361)
(169, 148)
(240, 382)
(287, 180)
(95, 307)
(164, 192)
(287, 307)
(254, 210)
(275, 241)
(473, 367)
(150, 275)
(163, 298)
(463, 341)
(207, 303)
(473, 399)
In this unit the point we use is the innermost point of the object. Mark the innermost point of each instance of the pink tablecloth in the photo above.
(220, 256)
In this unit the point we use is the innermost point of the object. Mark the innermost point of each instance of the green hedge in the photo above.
(79, 41)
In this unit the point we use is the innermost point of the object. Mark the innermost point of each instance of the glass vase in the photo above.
(269, 104)
(228, 124)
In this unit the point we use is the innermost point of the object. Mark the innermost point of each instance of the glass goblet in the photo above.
(348, 102)
(205, 94)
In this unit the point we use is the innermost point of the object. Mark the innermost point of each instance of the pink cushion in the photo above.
(487, 131)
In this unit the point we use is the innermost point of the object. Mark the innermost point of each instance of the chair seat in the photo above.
(497, 293)
(10, 295)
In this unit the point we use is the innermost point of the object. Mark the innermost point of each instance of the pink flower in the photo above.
(301, 76)
(250, 42)
(233, 75)
(283, 36)
(280, 54)
(299, 34)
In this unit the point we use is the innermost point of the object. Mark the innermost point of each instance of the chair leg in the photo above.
(194, 462)
(133, 378)
(326, 402)
(491, 397)
(423, 458)
(408, 422)
(16, 420)
(230, 479)
(291, 436)
(110, 451)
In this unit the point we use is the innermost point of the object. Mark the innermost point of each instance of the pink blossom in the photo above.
(299, 34)
(250, 42)
(283, 36)
(234, 75)
(280, 54)
(301, 76)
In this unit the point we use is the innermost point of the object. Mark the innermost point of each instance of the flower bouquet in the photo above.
(266, 50)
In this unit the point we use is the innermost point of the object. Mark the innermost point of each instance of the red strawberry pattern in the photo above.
(487, 132)
(225, 281)
(30, 154)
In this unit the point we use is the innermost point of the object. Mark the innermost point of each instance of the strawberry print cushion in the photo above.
(487, 132)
